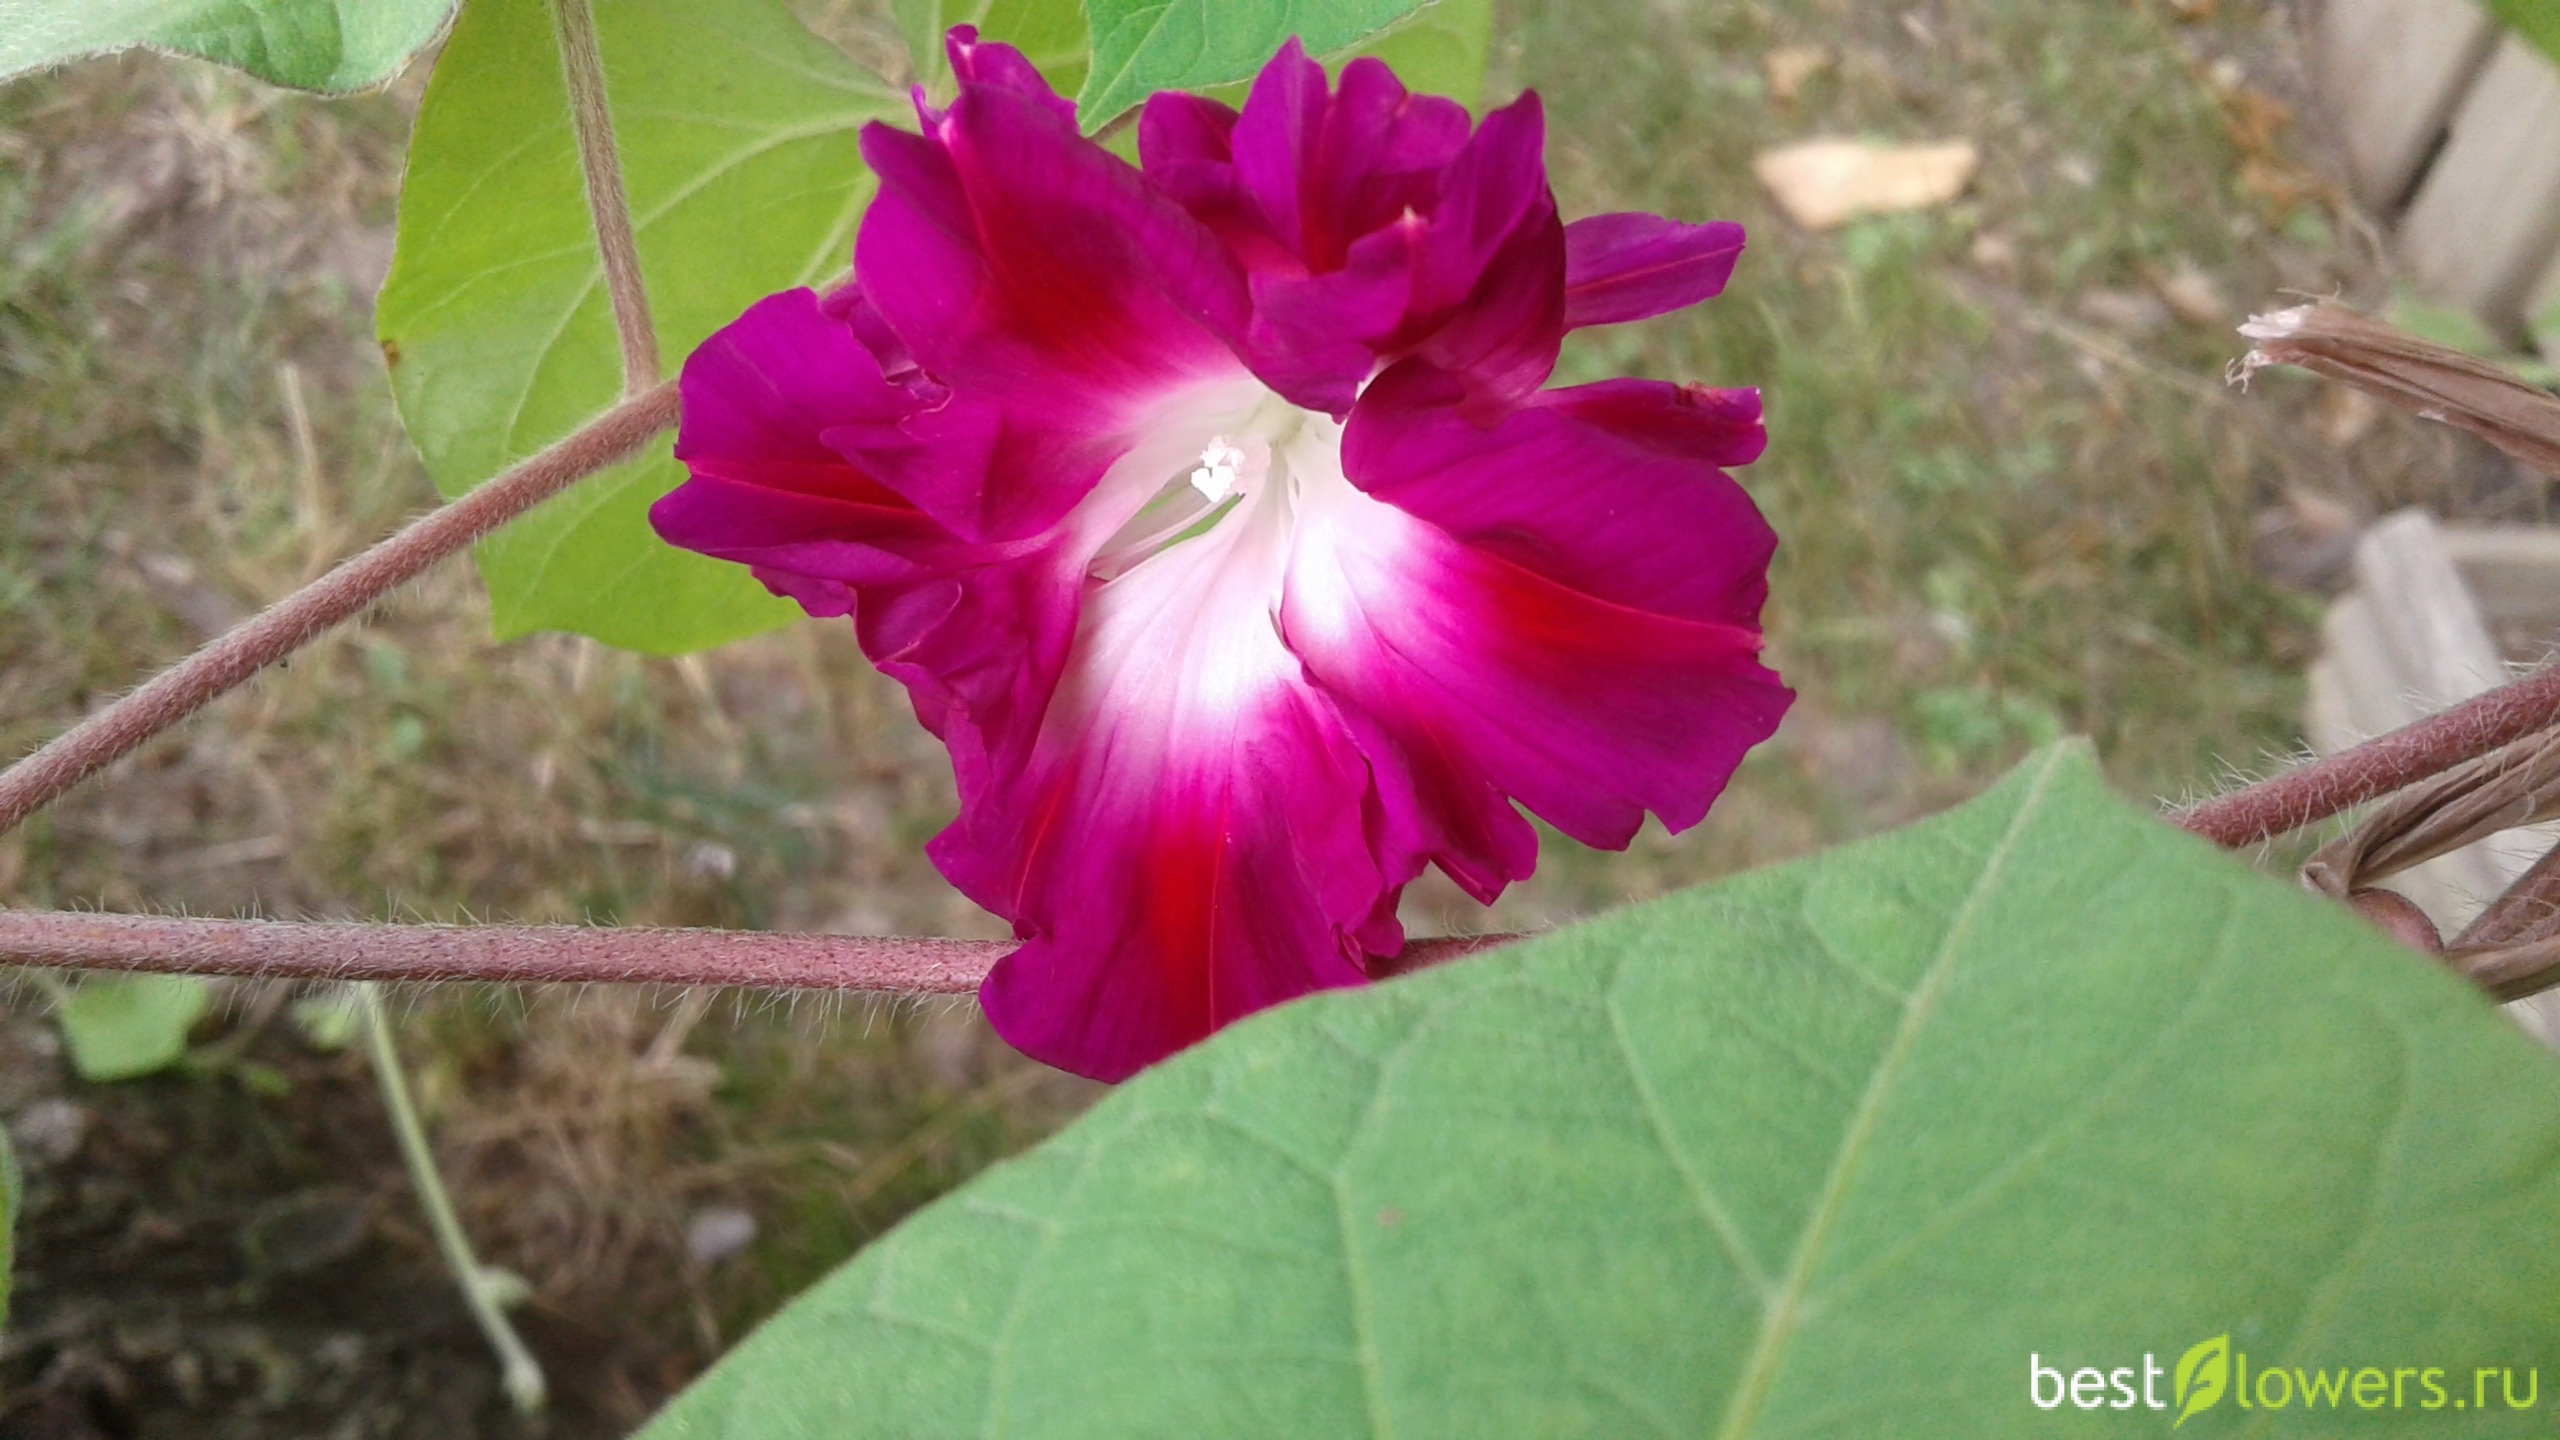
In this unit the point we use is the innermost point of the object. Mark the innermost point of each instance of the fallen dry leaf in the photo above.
(1789, 66)
(2193, 295)
(2434, 381)
(1821, 183)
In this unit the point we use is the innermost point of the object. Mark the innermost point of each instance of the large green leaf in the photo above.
(1141, 46)
(118, 1027)
(327, 45)
(1828, 1150)
(737, 131)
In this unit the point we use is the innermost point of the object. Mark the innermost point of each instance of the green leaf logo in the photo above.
(2204, 1372)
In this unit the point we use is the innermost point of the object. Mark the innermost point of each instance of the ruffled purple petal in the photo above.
(1615, 490)
(771, 380)
(1186, 144)
(1186, 844)
(1371, 225)
(977, 631)
(1316, 338)
(1560, 607)
(1495, 184)
(1022, 264)
(1325, 168)
(1632, 266)
(1491, 680)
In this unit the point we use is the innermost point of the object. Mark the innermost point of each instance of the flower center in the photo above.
(1217, 473)
(1248, 459)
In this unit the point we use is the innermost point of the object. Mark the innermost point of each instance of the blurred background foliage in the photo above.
(2016, 500)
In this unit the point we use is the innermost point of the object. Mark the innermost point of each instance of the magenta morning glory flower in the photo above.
(1214, 517)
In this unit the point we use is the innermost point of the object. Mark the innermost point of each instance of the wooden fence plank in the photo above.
(2485, 221)
(2405, 570)
(2513, 571)
(2392, 71)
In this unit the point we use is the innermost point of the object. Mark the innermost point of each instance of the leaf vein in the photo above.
(1701, 1194)
(1782, 1315)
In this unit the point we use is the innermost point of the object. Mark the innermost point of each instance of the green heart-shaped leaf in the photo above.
(737, 132)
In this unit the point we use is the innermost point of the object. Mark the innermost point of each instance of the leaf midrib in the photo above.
(1784, 1308)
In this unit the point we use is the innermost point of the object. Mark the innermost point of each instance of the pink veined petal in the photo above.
(1383, 152)
(980, 651)
(1632, 266)
(1489, 680)
(1315, 338)
(1328, 167)
(762, 397)
(1615, 489)
(897, 363)
(1027, 267)
(1369, 223)
(977, 631)
(1186, 150)
(1282, 120)
(771, 380)
(1312, 170)
(1504, 340)
(1495, 183)
(1559, 607)
(1488, 301)
(1186, 845)
(1698, 422)
(1021, 251)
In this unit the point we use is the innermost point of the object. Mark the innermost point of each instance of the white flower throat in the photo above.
(1248, 459)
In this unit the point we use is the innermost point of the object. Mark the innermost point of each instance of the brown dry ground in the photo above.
(2017, 501)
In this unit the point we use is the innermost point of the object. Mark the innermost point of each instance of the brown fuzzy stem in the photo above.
(591, 115)
(285, 626)
(285, 950)
(2333, 783)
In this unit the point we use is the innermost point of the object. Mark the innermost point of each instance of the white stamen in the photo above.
(1219, 466)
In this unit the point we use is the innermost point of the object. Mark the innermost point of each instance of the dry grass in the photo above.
(2016, 501)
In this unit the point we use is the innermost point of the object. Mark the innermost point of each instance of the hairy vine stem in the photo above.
(591, 116)
(921, 966)
(339, 950)
(2313, 792)
(281, 628)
